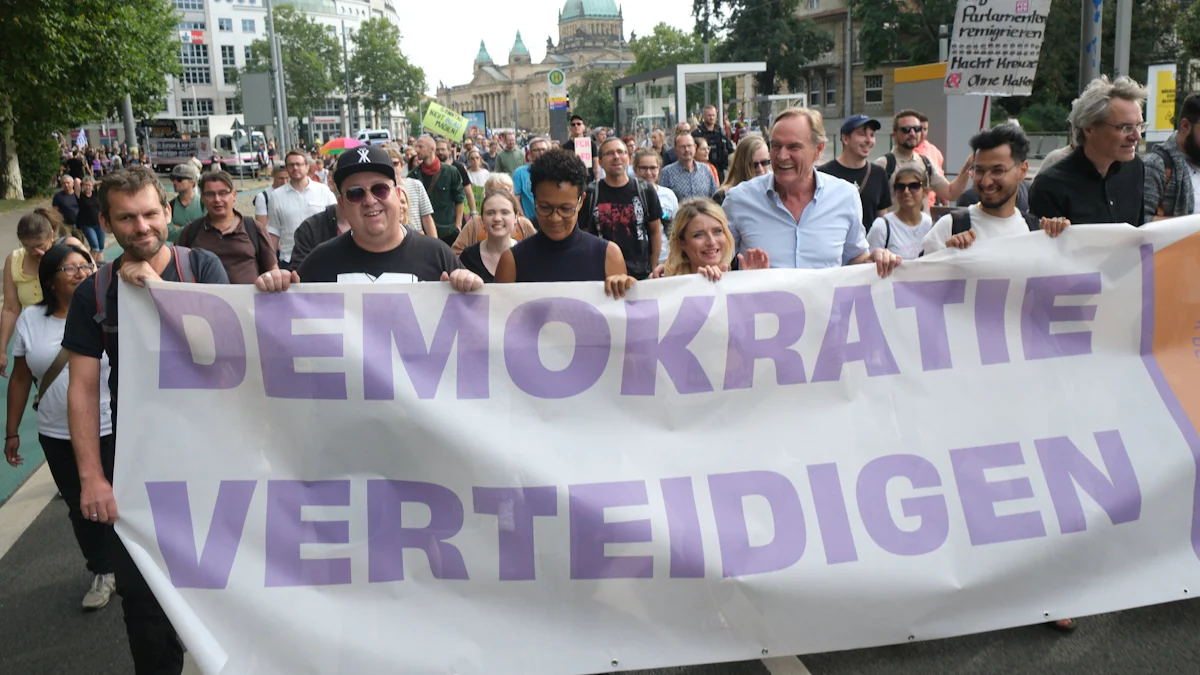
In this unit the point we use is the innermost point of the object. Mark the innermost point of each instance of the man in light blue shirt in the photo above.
(521, 185)
(802, 218)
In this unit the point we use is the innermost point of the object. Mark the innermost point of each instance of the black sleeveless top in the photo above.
(579, 257)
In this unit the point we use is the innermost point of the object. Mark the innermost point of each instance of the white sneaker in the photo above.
(100, 592)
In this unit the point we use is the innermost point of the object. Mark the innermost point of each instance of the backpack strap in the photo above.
(590, 194)
(928, 166)
(641, 193)
(960, 221)
(255, 240)
(104, 279)
(887, 241)
(890, 158)
(1168, 170)
(183, 263)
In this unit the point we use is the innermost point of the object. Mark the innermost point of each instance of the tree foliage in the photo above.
(894, 31)
(70, 62)
(592, 96)
(665, 46)
(381, 74)
(312, 60)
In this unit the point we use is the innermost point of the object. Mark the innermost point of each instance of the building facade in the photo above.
(215, 39)
(590, 35)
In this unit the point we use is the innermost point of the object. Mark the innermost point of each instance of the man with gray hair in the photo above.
(1102, 180)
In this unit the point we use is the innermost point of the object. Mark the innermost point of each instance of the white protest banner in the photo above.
(994, 46)
(583, 150)
(541, 480)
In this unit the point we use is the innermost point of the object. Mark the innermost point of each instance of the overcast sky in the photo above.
(447, 54)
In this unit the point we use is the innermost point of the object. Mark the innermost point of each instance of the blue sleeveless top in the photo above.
(579, 257)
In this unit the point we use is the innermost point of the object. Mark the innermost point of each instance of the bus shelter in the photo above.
(659, 99)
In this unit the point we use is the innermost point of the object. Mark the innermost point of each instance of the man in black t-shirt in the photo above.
(858, 139)
(377, 249)
(579, 131)
(623, 211)
(134, 208)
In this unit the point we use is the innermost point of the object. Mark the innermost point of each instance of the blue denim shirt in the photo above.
(829, 233)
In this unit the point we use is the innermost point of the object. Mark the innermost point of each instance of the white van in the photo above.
(374, 136)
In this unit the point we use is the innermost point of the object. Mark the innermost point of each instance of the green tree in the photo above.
(69, 62)
(665, 46)
(769, 32)
(592, 96)
(312, 60)
(382, 75)
(894, 31)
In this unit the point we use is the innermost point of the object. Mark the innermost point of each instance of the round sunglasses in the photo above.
(380, 191)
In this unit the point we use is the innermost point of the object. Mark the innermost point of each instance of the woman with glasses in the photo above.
(903, 229)
(560, 251)
(37, 232)
(475, 230)
(38, 356)
(751, 159)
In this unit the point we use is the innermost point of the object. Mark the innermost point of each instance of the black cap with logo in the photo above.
(363, 158)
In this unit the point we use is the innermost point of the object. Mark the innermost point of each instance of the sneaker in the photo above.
(100, 592)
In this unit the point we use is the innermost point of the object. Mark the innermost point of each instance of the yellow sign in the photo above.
(1164, 94)
(441, 120)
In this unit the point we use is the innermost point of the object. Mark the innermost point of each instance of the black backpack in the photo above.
(591, 208)
(891, 166)
(960, 221)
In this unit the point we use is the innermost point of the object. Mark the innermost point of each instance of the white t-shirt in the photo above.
(418, 201)
(905, 240)
(290, 207)
(985, 227)
(260, 203)
(39, 339)
(669, 204)
(478, 178)
(1194, 173)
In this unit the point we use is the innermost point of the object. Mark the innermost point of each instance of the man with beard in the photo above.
(133, 207)
(999, 168)
(444, 186)
(445, 156)
(720, 148)
(907, 129)
(1173, 168)
(858, 139)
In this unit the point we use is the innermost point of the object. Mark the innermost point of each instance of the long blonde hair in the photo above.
(677, 260)
(741, 169)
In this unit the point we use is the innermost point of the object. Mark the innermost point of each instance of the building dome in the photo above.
(483, 56)
(518, 48)
(590, 9)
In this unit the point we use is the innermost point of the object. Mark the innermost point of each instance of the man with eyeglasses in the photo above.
(522, 187)
(185, 207)
(999, 167)
(243, 248)
(579, 131)
(647, 164)
(294, 202)
(623, 211)
(1103, 179)
(377, 248)
(858, 139)
(906, 134)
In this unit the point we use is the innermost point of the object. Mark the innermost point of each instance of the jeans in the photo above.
(94, 235)
(91, 537)
(155, 647)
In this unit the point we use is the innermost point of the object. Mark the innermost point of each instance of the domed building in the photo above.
(590, 35)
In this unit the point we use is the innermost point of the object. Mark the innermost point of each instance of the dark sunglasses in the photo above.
(380, 191)
(910, 130)
(911, 187)
(763, 164)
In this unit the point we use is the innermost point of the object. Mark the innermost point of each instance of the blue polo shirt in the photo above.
(829, 233)
(523, 189)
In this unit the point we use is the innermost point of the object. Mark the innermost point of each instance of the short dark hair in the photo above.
(48, 269)
(1190, 110)
(1003, 134)
(558, 166)
(130, 182)
(610, 139)
(216, 177)
(907, 112)
(296, 151)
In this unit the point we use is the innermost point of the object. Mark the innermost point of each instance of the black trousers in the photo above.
(92, 537)
(155, 647)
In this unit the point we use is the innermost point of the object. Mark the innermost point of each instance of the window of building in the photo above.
(247, 25)
(196, 75)
(193, 55)
(814, 4)
(233, 106)
(204, 106)
(227, 57)
(197, 5)
(814, 91)
(225, 25)
(192, 25)
(246, 53)
(196, 107)
(873, 88)
(831, 90)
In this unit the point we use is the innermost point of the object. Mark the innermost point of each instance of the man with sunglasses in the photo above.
(907, 130)
(185, 207)
(1103, 179)
(999, 168)
(858, 140)
(377, 249)
(294, 202)
(579, 131)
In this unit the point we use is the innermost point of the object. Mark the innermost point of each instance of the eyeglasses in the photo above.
(544, 210)
(76, 269)
(380, 191)
(652, 167)
(995, 173)
(217, 195)
(762, 165)
(911, 187)
(1128, 129)
(615, 152)
(910, 130)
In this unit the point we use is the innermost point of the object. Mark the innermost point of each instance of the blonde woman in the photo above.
(474, 231)
(701, 243)
(750, 160)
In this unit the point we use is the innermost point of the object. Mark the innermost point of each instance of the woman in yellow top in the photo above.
(37, 232)
(474, 232)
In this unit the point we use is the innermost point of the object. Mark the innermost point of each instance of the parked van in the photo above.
(374, 136)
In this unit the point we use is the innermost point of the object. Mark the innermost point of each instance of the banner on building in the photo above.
(994, 46)
(445, 122)
(540, 480)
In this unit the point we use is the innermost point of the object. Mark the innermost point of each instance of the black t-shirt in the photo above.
(569, 146)
(83, 336)
(67, 205)
(472, 259)
(89, 211)
(620, 216)
(417, 258)
(874, 196)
